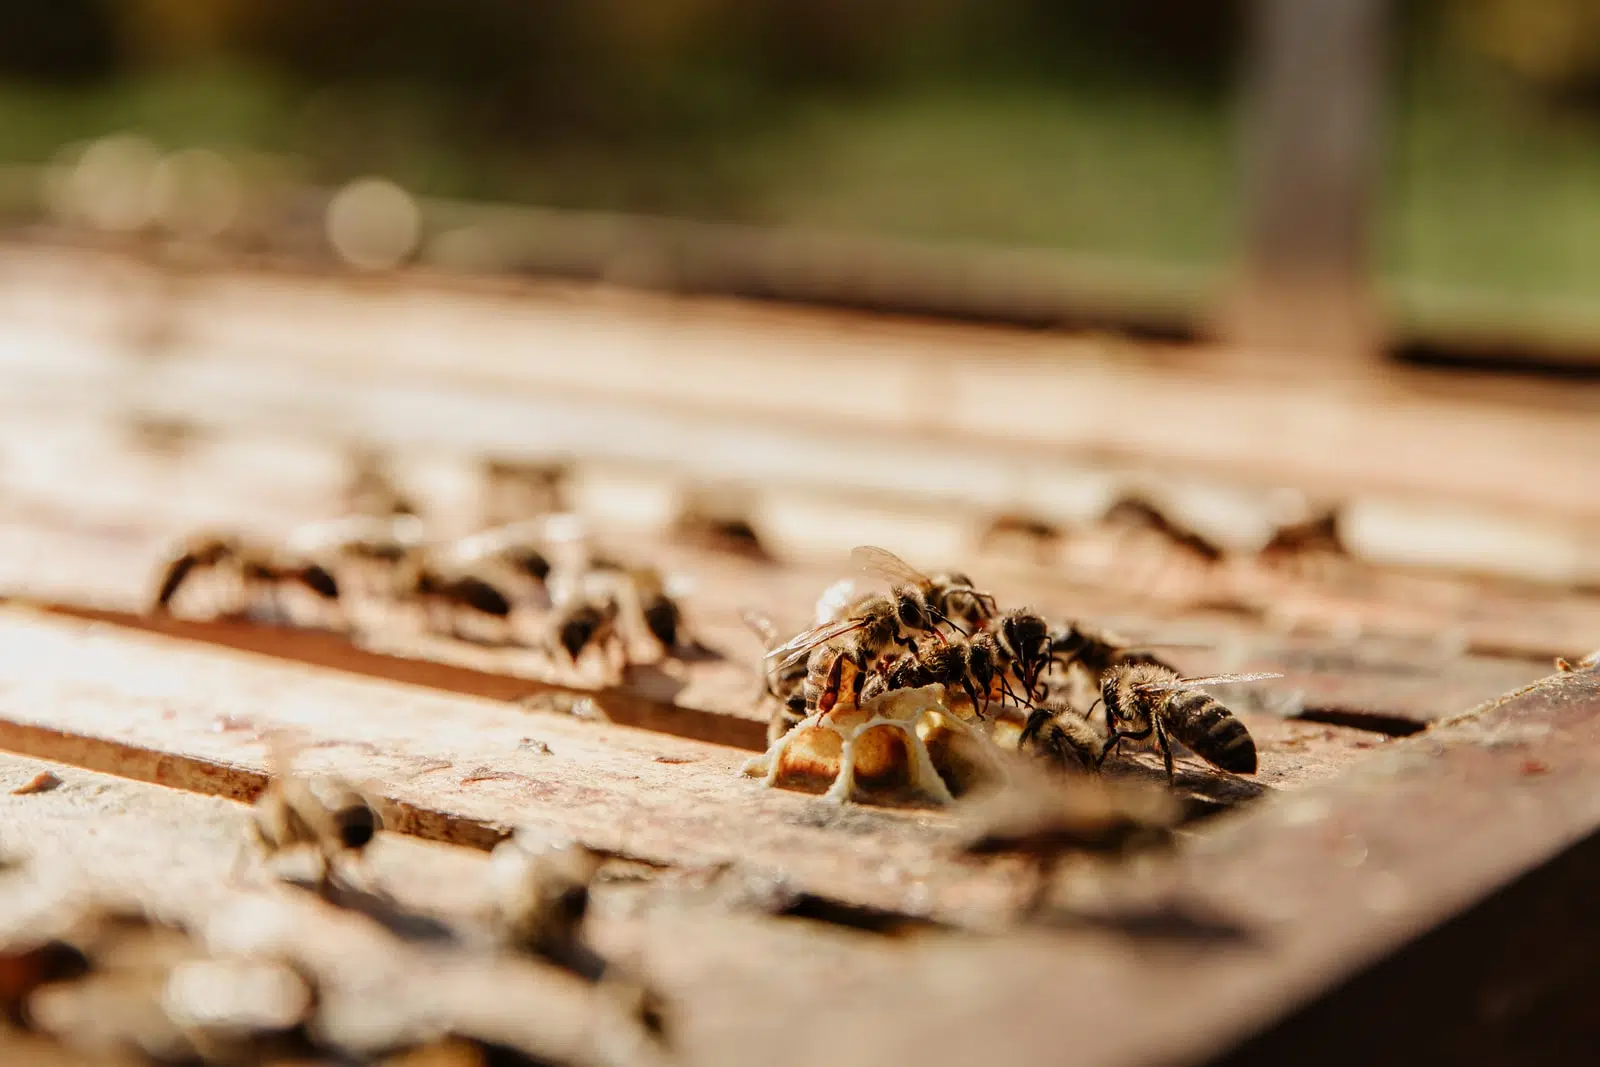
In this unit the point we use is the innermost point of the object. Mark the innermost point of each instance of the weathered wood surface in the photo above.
(465, 771)
(1241, 927)
(753, 395)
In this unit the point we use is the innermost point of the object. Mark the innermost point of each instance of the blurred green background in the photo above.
(1096, 128)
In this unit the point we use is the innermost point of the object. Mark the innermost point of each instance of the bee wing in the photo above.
(1210, 679)
(762, 625)
(888, 566)
(801, 644)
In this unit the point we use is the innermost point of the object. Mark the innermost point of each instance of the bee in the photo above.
(968, 669)
(662, 617)
(1587, 663)
(255, 569)
(1136, 513)
(876, 628)
(1317, 534)
(589, 620)
(949, 595)
(1143, 699)
(447, 593)
(1059, 735)
(514, 548)
(1043, 819)
(1021, 643)
(373, 549)
(783, 686)
(322, 813)
(1096, 651)
(541, 896)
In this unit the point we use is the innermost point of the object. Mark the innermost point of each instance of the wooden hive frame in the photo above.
(1425, 823)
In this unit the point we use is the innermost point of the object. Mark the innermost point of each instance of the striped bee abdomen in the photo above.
(1211, 731)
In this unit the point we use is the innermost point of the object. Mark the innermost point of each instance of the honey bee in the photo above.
(783, 687)
(447, 594)
(1317, 534)
(1059, 735)
(589, 620)
(1136, 513)
(514, 547)
(949, 595)
(541, 898)
(322, 813)
(663, 618)
(968, 669)
(1021, 643)
(255, 570)
(1143, 699)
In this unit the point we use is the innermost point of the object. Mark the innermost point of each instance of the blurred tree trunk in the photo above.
(1312, 115)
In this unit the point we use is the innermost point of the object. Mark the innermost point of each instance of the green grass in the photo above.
(1483, 193)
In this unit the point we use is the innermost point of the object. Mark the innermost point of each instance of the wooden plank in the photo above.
(636, 378)
(1260, 914)
(1367, 681)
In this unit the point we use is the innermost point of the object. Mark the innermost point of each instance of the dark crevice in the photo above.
(1376, 722)
(814, 908)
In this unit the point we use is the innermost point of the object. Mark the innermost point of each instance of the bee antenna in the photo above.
(940, 616)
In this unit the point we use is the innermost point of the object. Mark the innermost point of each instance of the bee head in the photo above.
(912, 612)
(1111, 696)
(1027, 636)
(357, 824)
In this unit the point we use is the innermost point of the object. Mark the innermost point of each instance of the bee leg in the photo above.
(1165, 744)
(829, 696)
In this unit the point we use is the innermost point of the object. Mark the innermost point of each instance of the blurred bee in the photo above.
(1144, 699)
(516, 549)
(372, 549)
(252, 570)
(1043, 818)
(1134, 513)
(644, 597)
(322, 813)
(784, 686)
(1063, 738)
(541, 895)
(662, 617)
(446, 596)
(589, 620)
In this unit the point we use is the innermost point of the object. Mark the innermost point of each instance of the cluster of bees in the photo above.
(916, 689)
(117, 980)
(591, 605)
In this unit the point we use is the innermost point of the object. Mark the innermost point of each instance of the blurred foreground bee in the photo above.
(1144, 699)
(541, 898)
(785, 686)
(1044, 818)
(322, 813)
(250, 570)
